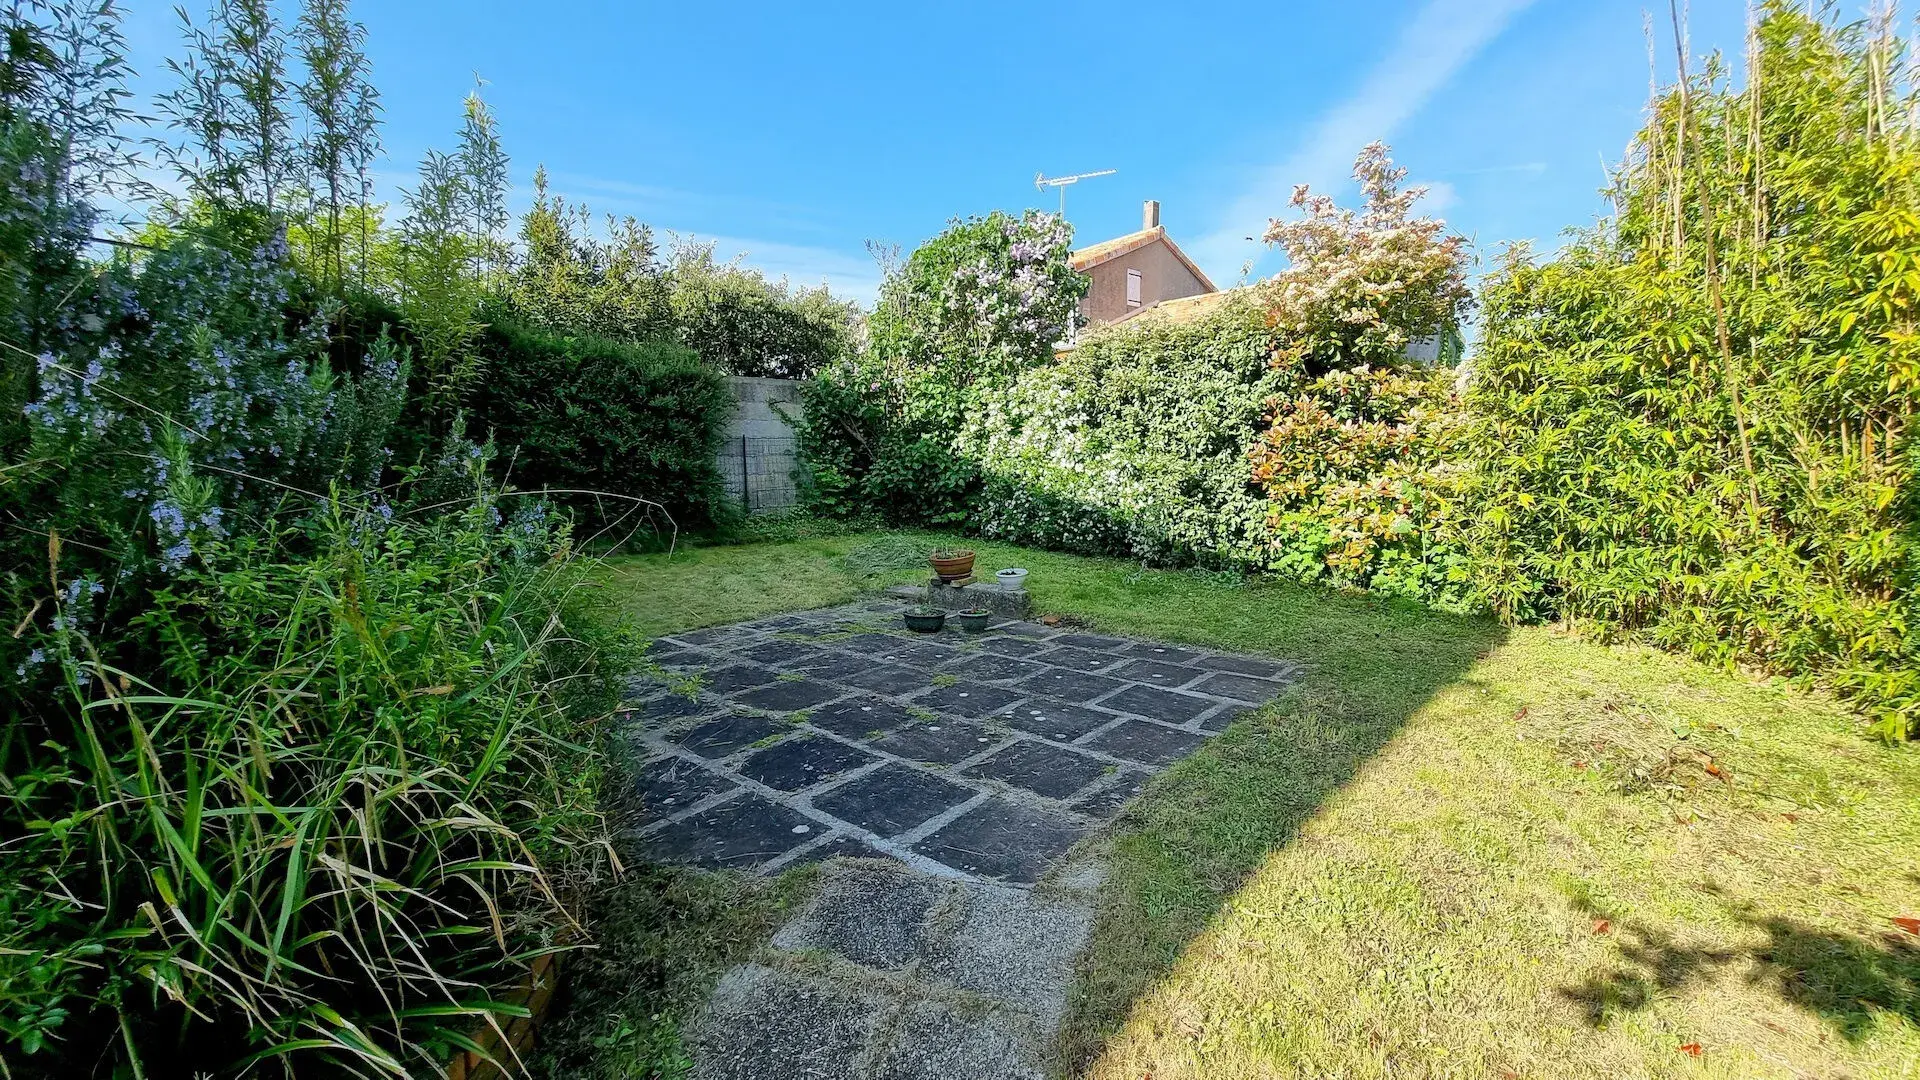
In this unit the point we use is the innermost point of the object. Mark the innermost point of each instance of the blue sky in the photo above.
(791, 133)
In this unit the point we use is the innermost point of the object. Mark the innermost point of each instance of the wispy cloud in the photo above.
(1440, 39)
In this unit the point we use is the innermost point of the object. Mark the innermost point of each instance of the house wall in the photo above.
(1162, 277)
(756, 458)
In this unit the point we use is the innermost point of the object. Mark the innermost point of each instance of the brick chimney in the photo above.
(1150, 214)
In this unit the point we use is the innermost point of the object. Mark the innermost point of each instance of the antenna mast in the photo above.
(1041, 182)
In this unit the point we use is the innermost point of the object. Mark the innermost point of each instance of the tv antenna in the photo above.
(1041, 182)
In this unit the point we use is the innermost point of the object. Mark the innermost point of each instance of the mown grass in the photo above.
(1455, 850)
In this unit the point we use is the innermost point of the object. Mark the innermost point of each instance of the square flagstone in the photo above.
(1240, 687)
(729, 680)
(892, 799)
(716, 635)
(1070, 685)
(1245, 665)
(738, 833)
(675, 659)
(1107, 800)
(896, 649)
(1000, 839)
(991, 667)
(1223, 719)
(1010, 646)
(967, 699)
(671, 706)
(789, 695)
(832, 666)
(1157, 673)
(1072, 656)
(778, 652)
(763, 1024)
(859, 717)
(1031, 630)
(840, 847)
(1041, 768)
(941, 743)
(803, 762)
(1149, 744)
(722, 736)
(671, 784)
(887, 679)
(1159, 704)
(936, 1040)
(1171, 654)
(1056, 720)
(781, 622)
(1092, 641)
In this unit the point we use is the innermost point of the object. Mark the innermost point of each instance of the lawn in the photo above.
(1455, 850)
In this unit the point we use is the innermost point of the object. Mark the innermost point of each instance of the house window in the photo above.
(1133, 288)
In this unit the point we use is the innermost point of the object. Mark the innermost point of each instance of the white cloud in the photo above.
(1435, 44)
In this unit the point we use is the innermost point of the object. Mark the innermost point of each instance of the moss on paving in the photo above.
(1456, 850)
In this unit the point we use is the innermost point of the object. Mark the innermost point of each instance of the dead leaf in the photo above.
(1714, 770)
(1908, 923)
(1580, 765)
(1050, 620)
(435, 691)
(1601, 926)
(1522, 714)
(1791, 818)
(1690, 1049)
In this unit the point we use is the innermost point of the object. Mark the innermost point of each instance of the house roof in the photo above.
(1182, 309)
(1107, 250)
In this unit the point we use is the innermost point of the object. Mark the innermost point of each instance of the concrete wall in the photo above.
(756, 459)
(1162, 277)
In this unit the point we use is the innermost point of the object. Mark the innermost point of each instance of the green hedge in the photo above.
(581, 412)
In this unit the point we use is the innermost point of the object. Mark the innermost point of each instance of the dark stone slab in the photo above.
(801, 763)
(1225, 718)
(675, 659)
(722, 736)
(1149, 744)
(967, 699)
(1041, 768)
(991, 667)
(730, 680)
(714, 636)
(738, 833)
(673, 707)
(1157, 673)
(943, 743)
(1157, 703)
(789, 695)
(871, 915)
(832, 666)
(1070, 685)
(1106, 802)
(1245, 665)
(670, 784)
(896, 649)
(1092, 641)
(1010, 646)
(1171, 654)
(1241, 688)
(999, 839)
(887, 679)
(778, 652)
(840, 847)
(1072, 656)
(781, 622)
(763, 1024)
(1031, 630)
(892, 799)
(1052, 719)
(858, 717)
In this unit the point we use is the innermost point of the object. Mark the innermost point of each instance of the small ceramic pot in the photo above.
(925, 622)
(952, 565)
(973, 621)
(1012, 579)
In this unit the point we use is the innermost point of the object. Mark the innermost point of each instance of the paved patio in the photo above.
(981, 758)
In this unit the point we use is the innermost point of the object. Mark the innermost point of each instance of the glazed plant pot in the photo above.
(973, 621)
(924, 621)
(952, 565)
(1012, 579)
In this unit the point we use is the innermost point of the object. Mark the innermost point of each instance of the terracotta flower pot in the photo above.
(952, 565)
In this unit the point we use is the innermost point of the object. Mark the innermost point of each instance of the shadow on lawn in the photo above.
(1212, 820)
(1843, 978)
